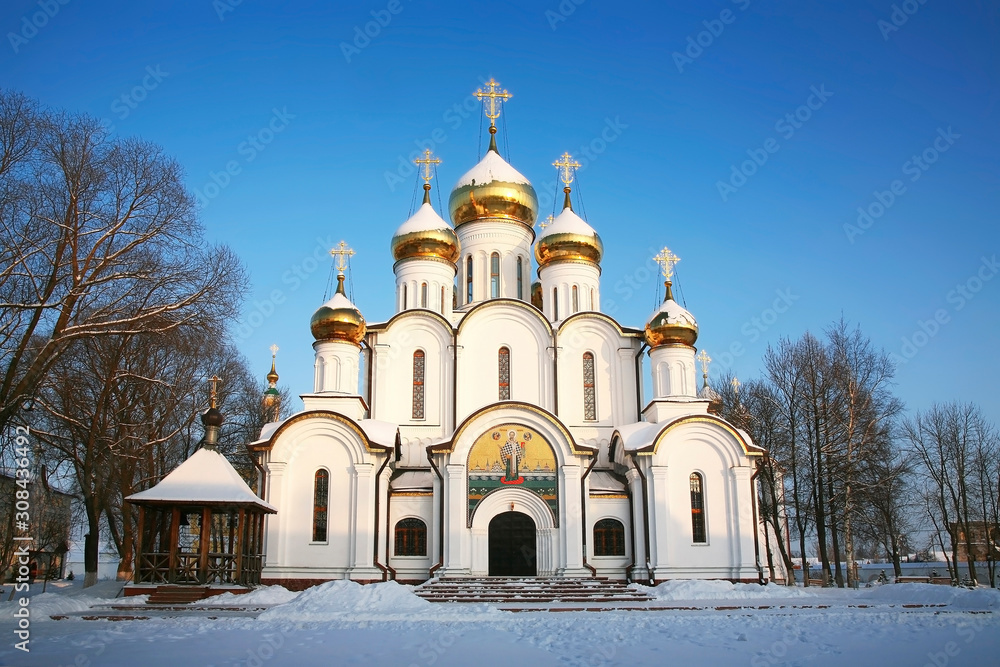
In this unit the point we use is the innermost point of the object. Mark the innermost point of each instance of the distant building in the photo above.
(49, 525)
(985, 540)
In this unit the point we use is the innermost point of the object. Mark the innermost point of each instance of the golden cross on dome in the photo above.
(340, 253)
(567, 167)
(214, 392)
(667, 260)
(274, 350)
(425, 165)
(548, 221)
(736, 386)
(492, 100)
(705, 360)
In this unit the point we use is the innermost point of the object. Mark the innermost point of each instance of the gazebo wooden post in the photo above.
(175, 521)
(206, 533)
(240, 537)
(138, 550)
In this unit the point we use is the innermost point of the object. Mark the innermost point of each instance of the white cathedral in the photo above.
(496, 427)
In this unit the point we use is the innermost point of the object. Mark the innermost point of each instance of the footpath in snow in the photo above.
(343, 623)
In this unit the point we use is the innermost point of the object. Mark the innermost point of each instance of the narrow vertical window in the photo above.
(495, 275)
(697, 510)
(468, 279)
(555, 303)
(576, 299)
(504, 368)
(423, 295)
(442, 299)
(321, 496)
(418, 384)
(404, 296)
(589, 399)
(592, 306)
(520, 279)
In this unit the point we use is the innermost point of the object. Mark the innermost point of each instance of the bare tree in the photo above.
(98, 237)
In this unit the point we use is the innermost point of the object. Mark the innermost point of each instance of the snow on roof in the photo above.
(206, 477)
(412, 480)
(568, 222)
(491, 168)
(379, 432)
(638, 435)
(605, 482)
(426, 218)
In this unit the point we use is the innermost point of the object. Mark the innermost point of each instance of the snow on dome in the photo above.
(671, 323)
(568, 222)
(492, 168)
(426, 218)
(206, 477)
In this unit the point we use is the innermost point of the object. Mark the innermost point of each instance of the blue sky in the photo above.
(893, 109)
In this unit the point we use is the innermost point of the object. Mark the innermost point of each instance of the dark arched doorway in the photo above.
(512, 546)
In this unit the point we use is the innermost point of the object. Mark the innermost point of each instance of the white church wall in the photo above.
(482, 334)
(608, 508)
(728, 551)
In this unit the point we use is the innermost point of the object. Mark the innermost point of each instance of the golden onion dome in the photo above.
(272, 376)
(493, 189)
(338, 319)
(426, 235)
(568, 238)
(671, 324)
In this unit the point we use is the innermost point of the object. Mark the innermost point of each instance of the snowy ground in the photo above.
(342, 623)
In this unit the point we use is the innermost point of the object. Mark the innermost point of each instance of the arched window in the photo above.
(520, 278)
(468, 279)
(404, 296)
(555, 303)
(593, 305)
(589, 398)
(609, 538)
(423, 295)
(418, 384)
(697, 510)
(504, 368)
(411, 538)
(321, 498)
(495, 275)
(442, 299)
(576, 299)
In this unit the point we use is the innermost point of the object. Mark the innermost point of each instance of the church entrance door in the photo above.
(512, 545)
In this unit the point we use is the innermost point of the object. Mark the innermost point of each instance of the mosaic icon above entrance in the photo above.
(512, 455)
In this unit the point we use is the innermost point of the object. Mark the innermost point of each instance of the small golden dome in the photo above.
(426, 235)
(272, 376)
(493, 189)
(671, 324)
(338, 319)
(568, 238)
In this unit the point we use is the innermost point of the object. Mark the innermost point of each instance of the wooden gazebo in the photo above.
(201, 527)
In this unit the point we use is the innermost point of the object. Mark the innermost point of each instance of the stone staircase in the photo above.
(524, 594)
(173, 595)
